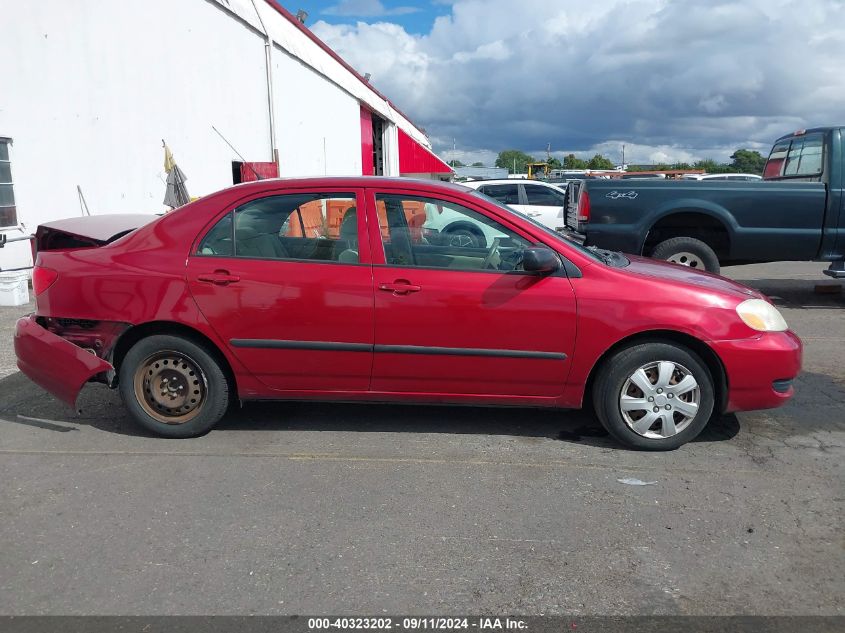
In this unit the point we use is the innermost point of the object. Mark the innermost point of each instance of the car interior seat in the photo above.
(257, 235)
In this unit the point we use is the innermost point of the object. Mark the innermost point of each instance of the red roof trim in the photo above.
(416, 159)
(292, 19)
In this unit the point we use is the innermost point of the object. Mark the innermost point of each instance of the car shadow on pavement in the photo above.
(816, 407)
(26, 404)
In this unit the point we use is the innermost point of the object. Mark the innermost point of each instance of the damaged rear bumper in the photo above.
(53, 363)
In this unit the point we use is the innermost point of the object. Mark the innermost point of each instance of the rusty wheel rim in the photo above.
(171, 387)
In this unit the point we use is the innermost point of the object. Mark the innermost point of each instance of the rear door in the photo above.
(463, 321)
(285, 280)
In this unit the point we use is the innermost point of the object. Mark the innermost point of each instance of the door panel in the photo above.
(473, 333)
(296, 324)
(461, 321)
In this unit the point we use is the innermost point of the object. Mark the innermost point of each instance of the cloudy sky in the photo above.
(670, 79)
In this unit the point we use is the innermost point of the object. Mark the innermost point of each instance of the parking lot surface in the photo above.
(356, 509)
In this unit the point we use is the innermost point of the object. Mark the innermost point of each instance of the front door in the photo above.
(285, 281)
(463, 320)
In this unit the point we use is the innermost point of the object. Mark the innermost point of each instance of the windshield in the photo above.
(597, 254)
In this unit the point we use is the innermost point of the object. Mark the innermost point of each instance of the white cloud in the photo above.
(679, 80)
(365, 9)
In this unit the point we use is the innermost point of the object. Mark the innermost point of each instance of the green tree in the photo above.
(478, 164)
(600, 162)
(554, 163)
(571, 161)
(514, 160)
(456, 163)
(709, 165)
(748, 161)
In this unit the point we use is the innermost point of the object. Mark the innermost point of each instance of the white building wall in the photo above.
(318, 125)
(91, 88)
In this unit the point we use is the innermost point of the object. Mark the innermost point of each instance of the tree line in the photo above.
(515, 161)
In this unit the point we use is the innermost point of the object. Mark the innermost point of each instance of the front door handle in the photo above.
(218, 278)
(400, 287)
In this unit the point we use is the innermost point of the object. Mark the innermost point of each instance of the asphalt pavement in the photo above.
(333, 508)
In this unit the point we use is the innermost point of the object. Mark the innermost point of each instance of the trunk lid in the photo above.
(86, 231)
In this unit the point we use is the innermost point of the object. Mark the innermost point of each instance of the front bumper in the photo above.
(53, 363)
(760, 371)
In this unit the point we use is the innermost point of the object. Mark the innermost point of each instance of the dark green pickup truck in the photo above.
(796, 213)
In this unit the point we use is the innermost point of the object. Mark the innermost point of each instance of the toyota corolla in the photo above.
(352, 289)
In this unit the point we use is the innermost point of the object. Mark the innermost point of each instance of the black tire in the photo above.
(678, 249)
(473, 237)
(150, 374)
(613, 376)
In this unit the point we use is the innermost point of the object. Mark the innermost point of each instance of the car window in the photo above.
(558, 237)
(539, 195)
(321, 227)
(506, 194)
(447, 235)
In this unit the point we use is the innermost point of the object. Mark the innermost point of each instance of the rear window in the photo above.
(506, 194)
(797, 156)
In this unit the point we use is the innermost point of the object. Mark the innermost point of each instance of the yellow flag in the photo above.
(168, 159)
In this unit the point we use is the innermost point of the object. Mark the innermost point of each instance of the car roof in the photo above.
(385, 182)
(728, 175)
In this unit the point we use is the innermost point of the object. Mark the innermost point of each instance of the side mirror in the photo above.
(540, 259)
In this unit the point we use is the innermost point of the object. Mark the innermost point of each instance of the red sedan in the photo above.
(390, 290)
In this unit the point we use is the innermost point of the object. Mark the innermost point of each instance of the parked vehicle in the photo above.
(545, 202)
(796, 214)
(228, 299)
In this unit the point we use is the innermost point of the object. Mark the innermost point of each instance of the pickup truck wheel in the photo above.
(687, 251)
(173, 386)
(654, 396)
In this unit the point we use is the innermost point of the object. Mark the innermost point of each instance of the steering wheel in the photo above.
(491, 254)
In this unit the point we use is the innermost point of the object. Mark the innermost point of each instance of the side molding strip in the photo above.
(257, 343)
(466, 351)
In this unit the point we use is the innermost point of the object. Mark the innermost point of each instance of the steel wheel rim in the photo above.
(660, 399)
(685, 258)
(171, 387)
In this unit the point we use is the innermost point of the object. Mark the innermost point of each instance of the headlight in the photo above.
(761, 316)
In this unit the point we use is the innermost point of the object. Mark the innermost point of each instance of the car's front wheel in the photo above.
(654, 396)
(173, 386)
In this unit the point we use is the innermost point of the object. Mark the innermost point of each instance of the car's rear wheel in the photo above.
(687, 251)
(654, 396)
(173, 386)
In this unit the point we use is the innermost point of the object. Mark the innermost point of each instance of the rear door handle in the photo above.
(400, 287)
(218, 278)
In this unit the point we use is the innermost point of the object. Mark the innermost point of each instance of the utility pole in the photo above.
(623, 156)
